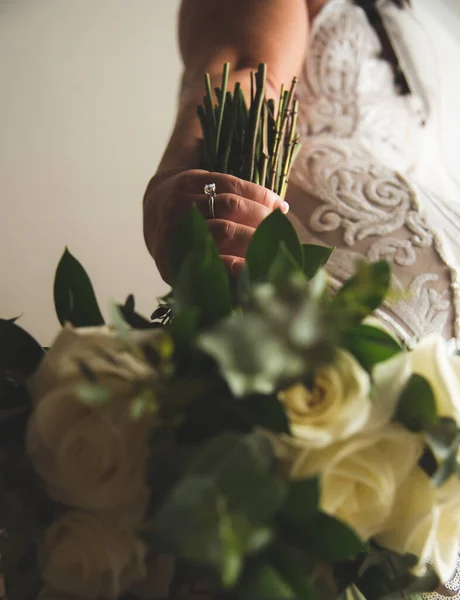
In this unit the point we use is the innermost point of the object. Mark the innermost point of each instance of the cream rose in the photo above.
(337, 406)
(90, 456)
(432, 359)
(89, 556)
(359, 477)
(425, 521)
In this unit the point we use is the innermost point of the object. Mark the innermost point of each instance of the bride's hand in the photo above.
(240, 206)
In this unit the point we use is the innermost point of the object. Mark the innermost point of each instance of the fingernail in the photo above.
(285, 207)
(236, 268)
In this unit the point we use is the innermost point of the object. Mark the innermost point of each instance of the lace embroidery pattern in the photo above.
(355, 130)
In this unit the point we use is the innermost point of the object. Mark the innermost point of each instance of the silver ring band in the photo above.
(210, 191)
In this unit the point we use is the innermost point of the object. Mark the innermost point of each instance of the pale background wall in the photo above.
(87, 100)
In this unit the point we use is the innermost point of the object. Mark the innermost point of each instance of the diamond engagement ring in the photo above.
(210, 191)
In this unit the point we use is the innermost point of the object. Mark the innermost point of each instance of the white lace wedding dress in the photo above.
(369, 180)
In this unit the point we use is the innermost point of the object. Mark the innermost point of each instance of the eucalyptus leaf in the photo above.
(239, 465)
(74, 297)
(194, 524)
(264, 245)
(314, 258)
(416, 408)
(282, 334)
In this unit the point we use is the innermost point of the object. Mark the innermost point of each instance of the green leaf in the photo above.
(264, 245)
(361, 294)
(264, 411)
(239, 466)
(20, 353)
(314, 258)
(183, 328)
(201, 280)
(264, 582)
(416, 409)
(194, 524)
(326, 539)
(191, 233)
(282, 267)
(74, 297)
(370, 345)
(302, 502)
(133, 318)
(295, 567)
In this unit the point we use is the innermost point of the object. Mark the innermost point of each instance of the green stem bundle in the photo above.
(250, 142)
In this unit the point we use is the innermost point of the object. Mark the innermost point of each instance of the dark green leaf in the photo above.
(282, 267)
(20, 354)
(416, 409)
(361, 294)
(327, 539)
(264, 582)
(133, 318)
(301, 503)
(130, 303)
(262, 250)
(264, 411)
(183, 328)
(200, 278)
(239, 466)
(294, 566)
(314, 258)
(191, 234)
(370, 345)
(74, 297)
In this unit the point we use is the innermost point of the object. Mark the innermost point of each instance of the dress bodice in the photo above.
(360, 182)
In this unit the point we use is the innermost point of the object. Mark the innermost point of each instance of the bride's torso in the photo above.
(367, 180)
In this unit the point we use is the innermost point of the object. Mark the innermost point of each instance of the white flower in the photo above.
(337, 406)
(92, 556)
(359, 477)
(432, 359)
(425, 521)
(90, 456)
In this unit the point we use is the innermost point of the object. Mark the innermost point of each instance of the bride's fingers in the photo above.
(231, 207)
(233, 264)
(231, 238)
(193, 182)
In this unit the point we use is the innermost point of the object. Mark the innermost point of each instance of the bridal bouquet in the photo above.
(256, 439)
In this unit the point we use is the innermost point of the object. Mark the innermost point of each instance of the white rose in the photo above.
(89, 556)
(425, 521)
(90, 456)
(432, 359)
(336, 407)
(100, 349)
(359, 477)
